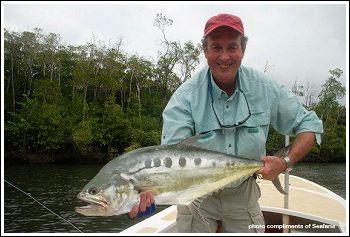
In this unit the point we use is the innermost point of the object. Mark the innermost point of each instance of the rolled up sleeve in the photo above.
(177, 121)
(290, 117)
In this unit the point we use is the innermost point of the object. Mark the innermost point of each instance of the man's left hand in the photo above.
(272, 168)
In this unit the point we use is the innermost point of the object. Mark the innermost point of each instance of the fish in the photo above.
(175, 174)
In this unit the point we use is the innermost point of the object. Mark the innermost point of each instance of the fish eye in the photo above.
(93, 191)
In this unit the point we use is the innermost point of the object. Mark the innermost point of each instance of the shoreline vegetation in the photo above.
(92, 102)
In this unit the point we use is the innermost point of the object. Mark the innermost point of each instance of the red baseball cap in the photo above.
(223, 20)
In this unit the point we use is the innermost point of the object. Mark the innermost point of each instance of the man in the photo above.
(234, 105)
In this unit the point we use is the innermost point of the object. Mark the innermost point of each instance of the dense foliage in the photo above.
(97, 99)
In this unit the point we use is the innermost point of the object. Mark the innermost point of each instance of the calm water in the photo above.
(56, 187)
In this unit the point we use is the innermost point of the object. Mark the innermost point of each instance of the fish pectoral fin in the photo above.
(126, 176)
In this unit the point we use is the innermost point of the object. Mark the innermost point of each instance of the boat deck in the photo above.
(305, 197)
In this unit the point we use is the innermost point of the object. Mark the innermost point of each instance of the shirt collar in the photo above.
(218, 93)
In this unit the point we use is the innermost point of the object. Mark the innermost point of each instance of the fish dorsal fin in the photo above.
(190, 140)
(283, 151)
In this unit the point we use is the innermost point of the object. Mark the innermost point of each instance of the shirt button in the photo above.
(229, 145)
(227, 106)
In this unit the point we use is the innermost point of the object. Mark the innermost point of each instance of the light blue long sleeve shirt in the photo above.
(190, 112)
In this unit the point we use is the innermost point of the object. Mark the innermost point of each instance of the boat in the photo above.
(308, 208)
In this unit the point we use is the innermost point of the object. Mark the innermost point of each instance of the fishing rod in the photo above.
(28, 194)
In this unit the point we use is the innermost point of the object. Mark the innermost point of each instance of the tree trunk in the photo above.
(122, 99)
(96, 86)
(139, 97)
(13, 86)
(52, 67)
(130, 84)
(59, 79)
(129, 99)
(44, 70)
(95, 92)
(85, 94)
(30, 80)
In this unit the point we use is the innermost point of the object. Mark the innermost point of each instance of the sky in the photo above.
(299, 42)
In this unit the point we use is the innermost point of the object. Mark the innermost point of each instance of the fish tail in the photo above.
(283, 151)
(280, 153)
(278, 185)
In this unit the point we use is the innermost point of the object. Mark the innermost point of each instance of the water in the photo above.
(56, 187)
(331, 176)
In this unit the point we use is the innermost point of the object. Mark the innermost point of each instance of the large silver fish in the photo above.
(175, 174)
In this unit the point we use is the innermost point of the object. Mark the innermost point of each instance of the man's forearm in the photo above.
(301, 146)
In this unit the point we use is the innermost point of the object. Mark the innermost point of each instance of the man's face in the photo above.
(224, 53)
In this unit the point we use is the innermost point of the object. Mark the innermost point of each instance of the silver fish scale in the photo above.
(187, 157)
(188, 165)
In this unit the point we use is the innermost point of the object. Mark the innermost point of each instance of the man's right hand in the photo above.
(146, 201)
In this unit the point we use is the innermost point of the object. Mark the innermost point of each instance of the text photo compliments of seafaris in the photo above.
(298, 226)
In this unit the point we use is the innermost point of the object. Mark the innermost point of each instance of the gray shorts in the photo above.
(236, 209)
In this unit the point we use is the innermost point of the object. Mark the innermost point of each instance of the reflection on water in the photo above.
(56, 187)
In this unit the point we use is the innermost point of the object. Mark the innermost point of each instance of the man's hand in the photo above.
(146, 203)
(272, 168)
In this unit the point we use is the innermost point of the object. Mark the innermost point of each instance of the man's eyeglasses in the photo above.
(210, 87)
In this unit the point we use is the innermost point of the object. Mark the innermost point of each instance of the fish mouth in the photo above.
(94, 207)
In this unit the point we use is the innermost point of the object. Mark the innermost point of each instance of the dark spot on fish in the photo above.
(232, 164)
(93, 191)
(156, 162)
(227, 163)
(213, 163)
(182, 161)
(148, 163)
(168, 162)
(197, 161)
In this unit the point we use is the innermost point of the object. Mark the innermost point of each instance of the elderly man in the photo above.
(234, 105)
